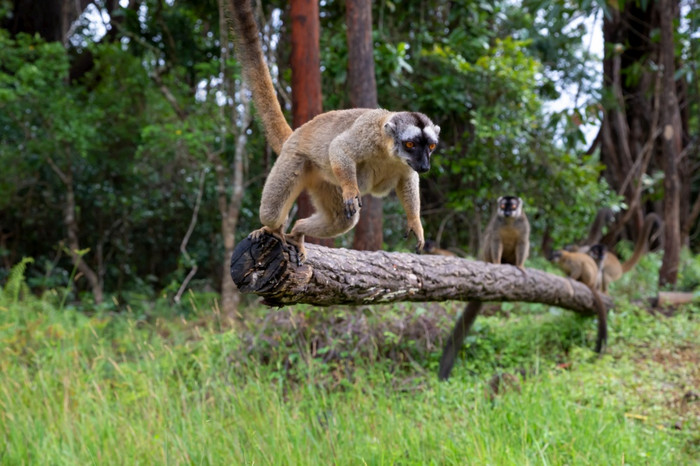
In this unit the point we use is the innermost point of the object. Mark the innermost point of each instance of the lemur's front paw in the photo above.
(257, 234)
(353, 204)
(281, 237)
(419, 246)
(417, 230)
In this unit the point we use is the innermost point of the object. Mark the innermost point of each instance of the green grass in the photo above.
(114, 388)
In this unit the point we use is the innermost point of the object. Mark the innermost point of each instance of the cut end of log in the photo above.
(263, 264)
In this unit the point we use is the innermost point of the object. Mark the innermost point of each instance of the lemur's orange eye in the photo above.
(409, 144)
(431, 147)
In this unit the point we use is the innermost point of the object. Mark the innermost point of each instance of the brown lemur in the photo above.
(506, 241)
(599, 253)
(609, 267)
(337, 156)
(582, 267)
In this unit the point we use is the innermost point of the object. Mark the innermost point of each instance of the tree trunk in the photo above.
(51, 19)
(73, 229)
(629, 120)
(670, 148)
(362, 90)
(306, 82)
(230, 297)
(229, 209)
(342, 276)
(369, 234)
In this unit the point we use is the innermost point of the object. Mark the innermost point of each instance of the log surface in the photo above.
(332, 276)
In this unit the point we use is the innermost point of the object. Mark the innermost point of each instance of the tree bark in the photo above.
(305, 61)
(230, 213)
(230, 207)
(630, 124)
(362, 84)
(369, 231)
(341, 276)
(51, 19)
(306, 81)
(362, 90)
(670, 148)
(73, 229)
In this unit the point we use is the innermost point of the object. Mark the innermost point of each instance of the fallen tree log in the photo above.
(341, 276)
(673, 298)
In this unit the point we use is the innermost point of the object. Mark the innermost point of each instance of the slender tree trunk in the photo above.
(230, 212)
(305, 61)
(230, 298)
(229, 209)
(362, 90)
(73, 231)
(670, 148)
(306, 82)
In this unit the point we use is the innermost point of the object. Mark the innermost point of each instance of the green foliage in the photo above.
(482, 76)
(133, 165)
(39, 113)
(484, 71)
(15, 281)
(689, 272)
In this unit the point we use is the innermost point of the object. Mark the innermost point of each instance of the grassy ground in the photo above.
(346, 386)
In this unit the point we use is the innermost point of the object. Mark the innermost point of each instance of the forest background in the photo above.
(132, 162)
(125, 132)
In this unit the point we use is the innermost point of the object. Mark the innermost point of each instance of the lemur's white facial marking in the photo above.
(409, 132)
(430, 133)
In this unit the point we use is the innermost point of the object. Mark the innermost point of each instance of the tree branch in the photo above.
(341, 276)
(186, 239)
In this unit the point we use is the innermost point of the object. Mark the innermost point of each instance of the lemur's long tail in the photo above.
(257, 75)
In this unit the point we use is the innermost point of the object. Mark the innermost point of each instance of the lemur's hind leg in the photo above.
(283, 185)
(329, 220)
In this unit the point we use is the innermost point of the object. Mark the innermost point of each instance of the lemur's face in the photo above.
(555, 256)
(415, 139)
(510, 206)
(597, 252)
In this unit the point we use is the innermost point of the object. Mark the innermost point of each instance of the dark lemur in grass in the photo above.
(337, 157)
(583, 268)
(506, 241)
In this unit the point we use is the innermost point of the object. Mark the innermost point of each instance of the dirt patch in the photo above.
(679, 390)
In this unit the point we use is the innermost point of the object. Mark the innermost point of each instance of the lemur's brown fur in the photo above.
(610, 268)
(581, 267)
(337, 157)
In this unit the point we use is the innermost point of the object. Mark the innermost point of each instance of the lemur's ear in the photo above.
(390, 128)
